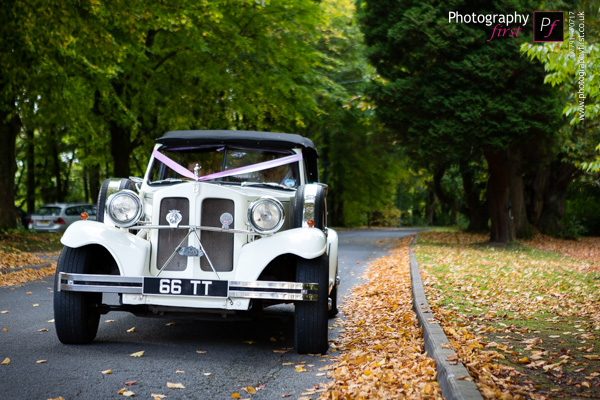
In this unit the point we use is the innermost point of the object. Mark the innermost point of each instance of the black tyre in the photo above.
(76, 315)
(311, 316)
(110, 186)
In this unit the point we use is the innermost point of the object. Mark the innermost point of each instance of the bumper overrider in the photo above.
(202, 288)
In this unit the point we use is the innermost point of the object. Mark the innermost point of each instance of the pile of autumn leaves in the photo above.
(11, 262)
(382, 346)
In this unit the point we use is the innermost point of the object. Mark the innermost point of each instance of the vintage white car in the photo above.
(223, 223)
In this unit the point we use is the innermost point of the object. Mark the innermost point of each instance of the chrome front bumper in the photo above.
(268, 290)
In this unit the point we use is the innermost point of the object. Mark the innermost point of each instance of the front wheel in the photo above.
(76, 315)
(311, 316)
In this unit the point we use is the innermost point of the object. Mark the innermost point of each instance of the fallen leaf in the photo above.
(201, 351)
(128, 393)
(250, 342)
(41, 362)
(175, 385)
(235, 395)
(51, 320)
(36, 305)
(179, 371)
(43, 330)
(283, 396)
(6, 361)
(207, 373)
(250, 389)
(131, 330)
(170, 323)
(106, 372)
(137, 354)
(4, 312)
(452, 359)
(131, 383)
(108, 321)
(157, 396)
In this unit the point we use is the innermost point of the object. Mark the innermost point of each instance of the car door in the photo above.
(72, 214)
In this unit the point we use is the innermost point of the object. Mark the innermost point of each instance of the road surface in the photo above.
(212, 360)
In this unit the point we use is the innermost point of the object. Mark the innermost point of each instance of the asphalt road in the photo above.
(212, 360)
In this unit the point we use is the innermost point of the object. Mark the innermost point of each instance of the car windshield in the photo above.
(207, 161)
(48, 211)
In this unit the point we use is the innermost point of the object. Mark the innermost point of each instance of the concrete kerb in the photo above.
(450, 377)
(37, 266)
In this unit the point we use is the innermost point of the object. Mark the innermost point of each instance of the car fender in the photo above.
(307, 243)
(131, 253)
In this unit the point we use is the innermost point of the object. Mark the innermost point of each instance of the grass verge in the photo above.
(525, 319)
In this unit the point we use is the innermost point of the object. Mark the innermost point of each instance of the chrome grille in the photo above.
(169, 239)
(218, 245)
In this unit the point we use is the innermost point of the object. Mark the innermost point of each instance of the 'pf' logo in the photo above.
(548, 26)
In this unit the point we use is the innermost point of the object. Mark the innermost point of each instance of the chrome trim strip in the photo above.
(99, 283)
(272, 295)
(274, 285)
(270, 290)
(202, 228)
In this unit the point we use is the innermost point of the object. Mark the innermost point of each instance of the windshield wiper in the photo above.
(268, 184)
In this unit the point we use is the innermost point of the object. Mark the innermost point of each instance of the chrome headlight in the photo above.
(266, 215)
(124, 208)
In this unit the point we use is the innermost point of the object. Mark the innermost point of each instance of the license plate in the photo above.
(43, 222)
(185, 287)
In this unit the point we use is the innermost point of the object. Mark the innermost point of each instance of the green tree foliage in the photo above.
(85, 99)
(573, 66)
(451, 95)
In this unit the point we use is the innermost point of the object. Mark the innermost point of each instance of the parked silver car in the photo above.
(57, 217)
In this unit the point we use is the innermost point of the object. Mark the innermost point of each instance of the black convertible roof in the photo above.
(250, 139)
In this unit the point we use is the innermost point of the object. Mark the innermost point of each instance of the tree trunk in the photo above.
(547, 200)
(444, 197)
(517, 212)
(30, 160)
(94, 182)
(430, 207)
(120, 149)
(498, 197)
(58, 193)
(9, 129)
(476, 210)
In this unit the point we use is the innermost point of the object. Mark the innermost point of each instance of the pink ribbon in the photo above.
(230, 172)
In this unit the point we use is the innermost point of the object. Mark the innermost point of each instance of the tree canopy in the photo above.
(85, 100)
(454, 93)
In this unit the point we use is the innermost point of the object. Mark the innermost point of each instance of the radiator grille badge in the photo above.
(190, 251)
(226, 220)
(174, 218)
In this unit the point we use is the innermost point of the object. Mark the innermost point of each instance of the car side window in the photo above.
(70, 211)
